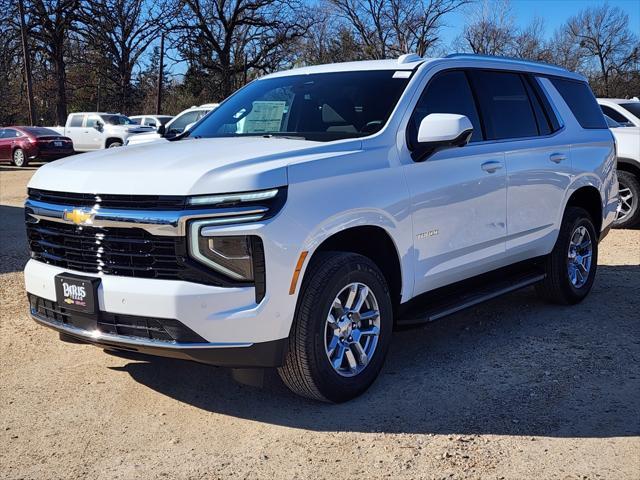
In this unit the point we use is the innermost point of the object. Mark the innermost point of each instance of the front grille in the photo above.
(124, 202)
(148, 328)
(129, 252)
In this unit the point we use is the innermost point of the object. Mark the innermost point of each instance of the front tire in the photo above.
(19, 158)
(571, 266)
(341, 330)
(628, 215)
(114, 144)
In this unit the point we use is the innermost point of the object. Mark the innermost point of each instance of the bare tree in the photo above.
(50, 23)
(122, 30)
(387, 28)
(229, 39)
(603, 36)
(490, 29)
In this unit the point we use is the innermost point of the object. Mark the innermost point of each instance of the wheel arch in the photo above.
(373, 242)
(629, 165)
(589, 198)
(109, 140)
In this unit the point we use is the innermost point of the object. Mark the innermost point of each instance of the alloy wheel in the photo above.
(579, 257)
(352, 329)
(18, 158)
(625, 203)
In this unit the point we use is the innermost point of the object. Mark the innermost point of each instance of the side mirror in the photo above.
(98, 125)
(441, 130)
(161, 130)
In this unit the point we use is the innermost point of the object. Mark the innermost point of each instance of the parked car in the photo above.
(626, 129)
(98, 130)
(151, 120)
(181, 122)
(316, 209)
(20, 145)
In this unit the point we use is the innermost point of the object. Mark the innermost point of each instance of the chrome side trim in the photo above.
(170, 223)
(99, 337)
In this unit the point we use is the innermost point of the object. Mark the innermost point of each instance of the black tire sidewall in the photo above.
(333, 386)
(578, 218)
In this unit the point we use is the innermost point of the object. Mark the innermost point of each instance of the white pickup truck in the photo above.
(96, 130)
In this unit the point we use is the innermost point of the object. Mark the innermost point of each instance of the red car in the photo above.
(19, 145)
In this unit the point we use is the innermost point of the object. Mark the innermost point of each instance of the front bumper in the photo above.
(258, 355)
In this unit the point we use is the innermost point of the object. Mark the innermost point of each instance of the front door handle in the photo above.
(557, 157)
(491, 166)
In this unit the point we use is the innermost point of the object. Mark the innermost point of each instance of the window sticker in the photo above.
(266, 116)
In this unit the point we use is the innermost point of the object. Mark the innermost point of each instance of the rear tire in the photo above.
(629, 207)
(19, 158)
(323, 361)
(571, 266)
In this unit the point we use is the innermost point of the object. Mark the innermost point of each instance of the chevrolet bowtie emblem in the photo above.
(78, 216)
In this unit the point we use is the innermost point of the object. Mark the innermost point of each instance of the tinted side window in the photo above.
(76, 121)
(92, 121)
(136, 120)
(581, 101)
(182, 121)
(545, 103)
(544, 128)
(614, 114)
(447, 92)
(504, 104)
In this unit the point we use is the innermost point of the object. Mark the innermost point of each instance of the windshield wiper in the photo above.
(282, 135)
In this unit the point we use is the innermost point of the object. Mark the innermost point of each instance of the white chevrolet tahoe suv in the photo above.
(316, 209)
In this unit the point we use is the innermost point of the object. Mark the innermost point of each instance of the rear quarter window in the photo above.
(580, 99)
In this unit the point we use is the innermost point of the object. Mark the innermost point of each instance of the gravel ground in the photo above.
(513, 389)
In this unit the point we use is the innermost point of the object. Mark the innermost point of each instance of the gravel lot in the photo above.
(513, 389)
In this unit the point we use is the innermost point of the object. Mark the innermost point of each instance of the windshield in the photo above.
(633, 107)
(117, 120)
(320, 107)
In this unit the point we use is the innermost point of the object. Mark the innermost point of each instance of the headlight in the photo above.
(232, 198)
(231, 256)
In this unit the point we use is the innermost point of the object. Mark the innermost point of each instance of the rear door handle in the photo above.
(557, 157)
(491, 166)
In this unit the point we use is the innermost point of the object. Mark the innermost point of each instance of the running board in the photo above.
(448, 300)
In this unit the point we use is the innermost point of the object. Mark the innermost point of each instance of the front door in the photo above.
(458, 194)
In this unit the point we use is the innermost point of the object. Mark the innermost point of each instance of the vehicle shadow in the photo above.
(514, 366)
(14, 252)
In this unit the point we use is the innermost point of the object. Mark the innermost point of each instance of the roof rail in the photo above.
(502, 57)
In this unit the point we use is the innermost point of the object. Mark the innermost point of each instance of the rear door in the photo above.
(75, 130)
(517, 115)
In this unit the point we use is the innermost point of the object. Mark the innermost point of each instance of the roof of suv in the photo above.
(412, 61)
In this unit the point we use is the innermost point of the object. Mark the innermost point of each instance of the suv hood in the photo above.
(185, 167)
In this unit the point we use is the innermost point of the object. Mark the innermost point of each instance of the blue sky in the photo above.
(553, 12)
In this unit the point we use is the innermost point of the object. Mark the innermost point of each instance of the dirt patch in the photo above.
(513, 389)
